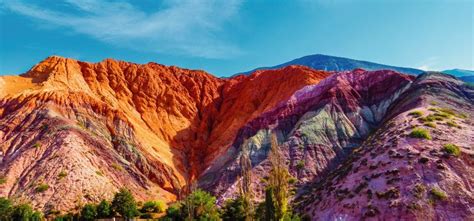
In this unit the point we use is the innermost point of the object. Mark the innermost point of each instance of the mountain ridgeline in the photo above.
(359, 140)
(333, 63)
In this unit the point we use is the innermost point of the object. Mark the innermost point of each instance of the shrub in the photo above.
(452, 149)
(418, 190)
(174, 211)
(2, 180)
(420, 133)
(391, 193)
(300, 164)
(146, 216)
(89, 212)
(66, 217)
(42, 187)
(443, 115)
(62, 174)
(452, 124)
(438, 194)
(292, 180)
(117, 167)
(430, 124)
(153, 207)
(6, 208)
(37, 145)
(234, 209)
(104, 209)
(22, 212)
(447, 111)
(423, 160)
(99, 173)
(416, 113)
(37, 216)
(429, 118)
(124, 204)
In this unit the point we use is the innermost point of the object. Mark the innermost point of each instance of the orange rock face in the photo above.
(151, 128)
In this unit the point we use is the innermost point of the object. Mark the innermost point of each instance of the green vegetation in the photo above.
(9, 211)
(41, 187)
(234, 209)
(6, 208)
(418, 190)
(300, 164)
(430, 124)
(117, 167)
(416, 113)
(420, 133)
(62, 174)
(392, 193)
(199, 205)
(89, 212)
(452, 124)
(2, 180)
(22, 212)
(104, 209)
(36, 145)
(153, 207)
(437, 194)
(452, 149)
(99, 173)
(124, 204)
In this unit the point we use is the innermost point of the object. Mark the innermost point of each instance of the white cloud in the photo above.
(178, 27)
(429, 64)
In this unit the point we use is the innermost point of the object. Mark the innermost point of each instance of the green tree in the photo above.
(199, 205)
(104, 210)
(269, 205)
(36, 216)
(6, 208)
(124, 204)
(89, 212)
(22, 212)
(246, 182)
(276, 193)
(203, 206)
(174, 212)
(234, 209)
(153, 207)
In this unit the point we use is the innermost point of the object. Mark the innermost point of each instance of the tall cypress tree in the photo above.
(278, 180)
(246, 181)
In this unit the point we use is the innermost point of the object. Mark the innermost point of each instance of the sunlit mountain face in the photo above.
(357, 142)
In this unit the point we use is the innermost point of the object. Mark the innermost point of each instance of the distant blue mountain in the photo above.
(459, 72)
(469, 79)
(331, 63)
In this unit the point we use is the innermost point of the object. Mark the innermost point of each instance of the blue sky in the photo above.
(224, 37)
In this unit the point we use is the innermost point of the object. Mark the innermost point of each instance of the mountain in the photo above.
(332, 63)
(347, 143)
(110, 124)
(464, 75)
(468, 79)
(73, 132)
(459, 72)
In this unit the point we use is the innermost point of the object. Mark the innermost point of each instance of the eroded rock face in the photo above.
(318, 126)
(394, 176)
(88, 129)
